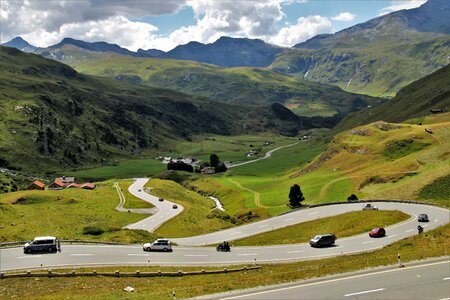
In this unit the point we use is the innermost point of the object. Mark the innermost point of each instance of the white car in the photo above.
(369, 206)
(158, 245)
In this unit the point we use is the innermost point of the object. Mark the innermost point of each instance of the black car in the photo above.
(323, 240)
(175, 206)
(423, 218)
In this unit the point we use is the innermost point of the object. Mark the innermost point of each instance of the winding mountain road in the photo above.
(92, 255)
(267, 155)
(164, 209)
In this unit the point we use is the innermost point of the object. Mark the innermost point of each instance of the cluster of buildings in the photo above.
(61, 183)
(187, 160)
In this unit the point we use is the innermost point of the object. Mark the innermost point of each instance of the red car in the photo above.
(377, 232)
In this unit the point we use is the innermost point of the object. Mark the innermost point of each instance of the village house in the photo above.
(436, 110)
(37, 185)
(57, 185)
(88, 186)
(74, 186)
(66, 180)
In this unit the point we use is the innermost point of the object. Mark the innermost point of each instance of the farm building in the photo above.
(37, 185)
(74, 186)
(88, 186)
(57, 185)
(66, 180)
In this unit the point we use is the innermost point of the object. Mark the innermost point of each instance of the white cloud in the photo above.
(399, 5)
(344, 16)
(304, 29)
(119, 30)
(47, 17)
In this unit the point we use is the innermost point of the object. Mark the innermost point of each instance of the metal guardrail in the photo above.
(305, 206)
(117, 273)
(21, 243)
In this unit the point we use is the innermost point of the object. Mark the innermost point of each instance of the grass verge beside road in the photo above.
(130, 200)
(67, 214)
(343, 225)
(196, 217)
(429, 244)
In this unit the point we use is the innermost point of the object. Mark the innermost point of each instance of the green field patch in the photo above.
(132, 201)
(123, 169)
(401, 148)
(194, 218)
(438, 189)
(343, 225)
(66, 214)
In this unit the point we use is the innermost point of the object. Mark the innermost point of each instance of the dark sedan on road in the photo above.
(377, 232)
(423, 218)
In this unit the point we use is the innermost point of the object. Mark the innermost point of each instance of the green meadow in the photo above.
(69, 214)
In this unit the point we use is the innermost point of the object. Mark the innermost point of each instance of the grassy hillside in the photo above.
(390, 60)
(73, 55)
(69, 214)
(53, 118)
(412, 102)
(375, 161)
(245, 85)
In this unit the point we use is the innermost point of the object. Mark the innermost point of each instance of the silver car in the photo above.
(42, 243)
(158, 245)
(369, 206)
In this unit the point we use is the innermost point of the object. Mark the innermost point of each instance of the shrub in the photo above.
(93, 230)
(352, 197)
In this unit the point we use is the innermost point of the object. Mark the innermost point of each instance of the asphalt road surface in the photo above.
(77, 255)
(164, 212)
(430, 280)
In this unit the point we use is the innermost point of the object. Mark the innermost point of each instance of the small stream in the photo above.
(218, 204)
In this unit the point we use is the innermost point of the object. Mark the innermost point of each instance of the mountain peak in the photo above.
(19, 43)
(94, 46)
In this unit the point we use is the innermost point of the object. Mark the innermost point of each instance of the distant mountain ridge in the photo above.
(21, 44)
(433, 16)
(225, 52)
(228, 52)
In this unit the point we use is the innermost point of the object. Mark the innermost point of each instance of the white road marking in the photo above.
(30, 256)
(295, 252)
(333, 280)
(364, 292)
(446, 278)
(368, 242)
(248, 254)
(235, 232)
(135, 254)
(409, 230)
(425, 225)
(313, 213)
(196, 255)
(289, 219)
(81, 254)
(261, 226)
(436, 220)
(444, 299)
(392, 236)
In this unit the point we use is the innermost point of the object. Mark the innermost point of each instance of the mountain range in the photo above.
(57, 118)
(243, 85)
(377, 57)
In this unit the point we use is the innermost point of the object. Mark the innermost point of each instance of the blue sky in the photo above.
(164, 24)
